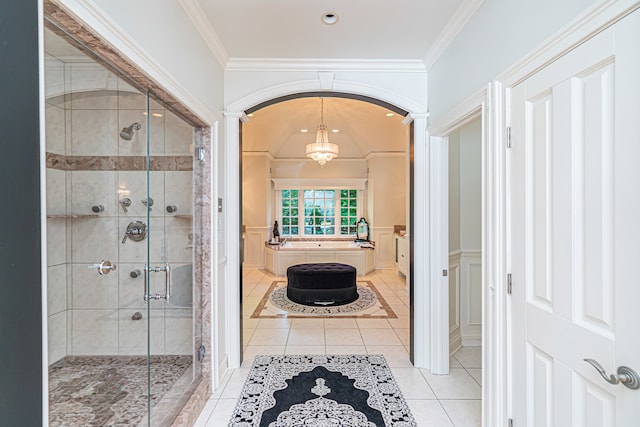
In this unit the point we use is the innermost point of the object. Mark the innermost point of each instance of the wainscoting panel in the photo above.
(254, 239)
(385, 247)
(455, 338)
(471, 297)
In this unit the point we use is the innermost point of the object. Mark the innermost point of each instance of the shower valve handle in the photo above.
(136, 231)
(104, 267)
(125, 203)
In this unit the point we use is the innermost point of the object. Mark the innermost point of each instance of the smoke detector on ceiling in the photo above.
(330, 18)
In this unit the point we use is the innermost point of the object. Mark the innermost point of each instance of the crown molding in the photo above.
(198, 17)
(265, 154)
(308, 160)
(461, 16)
(321, 64)
(319, 183)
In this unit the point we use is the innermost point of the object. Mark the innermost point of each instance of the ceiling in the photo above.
(365, 29)
(392, 31)
(364, 128)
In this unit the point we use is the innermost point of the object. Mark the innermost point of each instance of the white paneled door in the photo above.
(574, 210)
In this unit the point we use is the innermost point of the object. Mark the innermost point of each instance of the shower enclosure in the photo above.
(123, 332)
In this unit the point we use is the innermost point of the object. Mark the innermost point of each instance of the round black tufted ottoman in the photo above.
(324, 284)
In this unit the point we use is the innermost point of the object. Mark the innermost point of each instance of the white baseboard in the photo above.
(225, 374)
(254, 266)
(471, 340)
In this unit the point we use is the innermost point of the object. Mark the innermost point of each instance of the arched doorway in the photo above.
(420, 267)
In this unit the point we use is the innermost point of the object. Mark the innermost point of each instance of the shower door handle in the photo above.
(166, 269)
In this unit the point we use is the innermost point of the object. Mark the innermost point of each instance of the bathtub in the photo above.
(280, 257)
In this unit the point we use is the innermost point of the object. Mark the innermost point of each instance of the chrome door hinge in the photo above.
(508, 136)
(509, 284)
(445, 273)
(510, 422)
(202, 352)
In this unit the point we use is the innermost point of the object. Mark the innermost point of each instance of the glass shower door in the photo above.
(168, 268)
(120, 317)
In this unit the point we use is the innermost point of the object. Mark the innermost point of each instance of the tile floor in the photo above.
(435, 400)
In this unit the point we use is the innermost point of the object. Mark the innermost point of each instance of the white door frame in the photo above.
(493, 345)
(423, 245)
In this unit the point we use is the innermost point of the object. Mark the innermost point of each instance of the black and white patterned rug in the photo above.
(321, 391)
(370, 304)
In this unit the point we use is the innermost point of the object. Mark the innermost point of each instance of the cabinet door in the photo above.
(403, 256)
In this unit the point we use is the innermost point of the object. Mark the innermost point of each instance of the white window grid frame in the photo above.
(301, 233)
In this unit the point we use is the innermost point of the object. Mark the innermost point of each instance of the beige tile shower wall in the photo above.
(101, 308)
(57, 293)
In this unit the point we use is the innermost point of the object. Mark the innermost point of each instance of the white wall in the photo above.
(387, 201)
(454, 192)
(257, 198)
(256, 190)
(307, 168)
(499, 34)
(471, 187)
(465, 234)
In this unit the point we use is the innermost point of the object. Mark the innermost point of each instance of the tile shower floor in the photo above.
(112, 390)
(436, 400)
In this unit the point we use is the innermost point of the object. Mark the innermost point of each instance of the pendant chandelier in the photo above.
(322, 150)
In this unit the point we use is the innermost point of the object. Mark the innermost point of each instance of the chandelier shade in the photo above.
(322, 150)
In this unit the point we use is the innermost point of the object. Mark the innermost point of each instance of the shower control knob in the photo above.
(148, 202)
(97, 208)
(135, 273)
(172, 208)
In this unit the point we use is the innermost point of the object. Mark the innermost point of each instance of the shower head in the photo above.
(127, 133)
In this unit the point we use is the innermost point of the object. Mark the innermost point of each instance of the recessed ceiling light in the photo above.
(304, 130)
(330, 18)
(156, 114)
(390, 114)
(335, 130)
(250, 115)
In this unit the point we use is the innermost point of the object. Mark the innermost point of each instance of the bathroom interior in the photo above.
(123, 315)
(120, 206)
(373, 162)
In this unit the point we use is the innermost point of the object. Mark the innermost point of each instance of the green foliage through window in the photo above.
(322, 212)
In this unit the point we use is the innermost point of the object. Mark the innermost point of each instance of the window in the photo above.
(348, 211)
(319, 212)
(322, 212)
(289, 213)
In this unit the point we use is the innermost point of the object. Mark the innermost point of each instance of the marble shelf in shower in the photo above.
(69, 216)
(182, 216)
